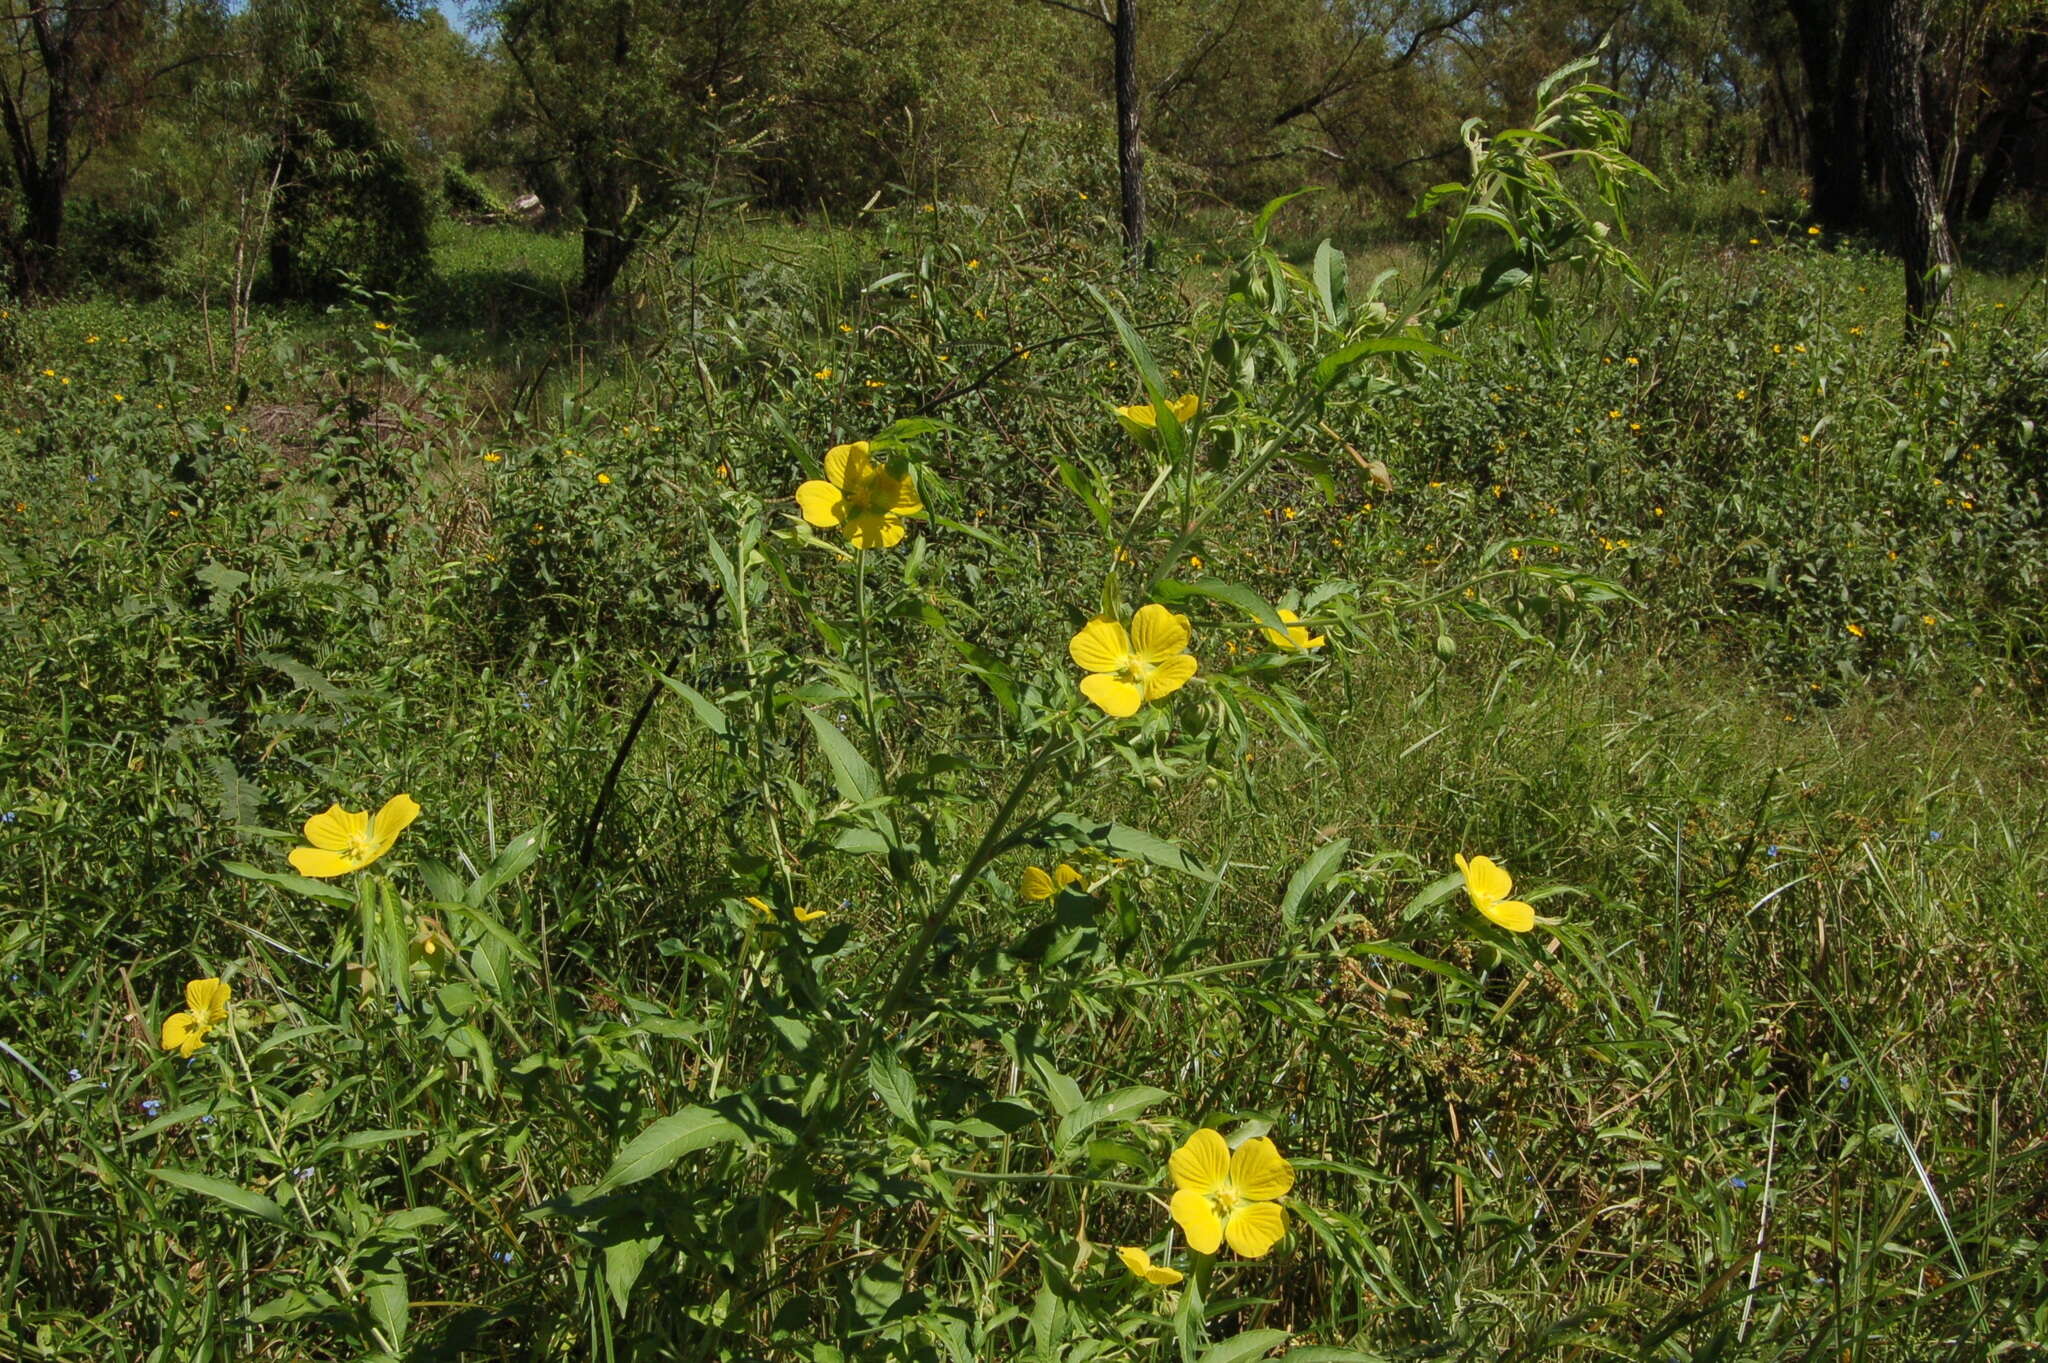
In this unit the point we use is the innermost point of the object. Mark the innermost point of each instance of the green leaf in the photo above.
(623, 1260)
(713, 718)
(364, 1140)
(1110, 1107)
(1230, 593)
(1317, 869)
(231, 1194)
(1134, 842)
(665, 1142)
(390, 1302)
(1323, 1353)
(893, 1085)
(1330, 282)
(1265, 218)
(856, 780)
(1242, 1348)
(1339, 362)
(516, 856)
(297, 884)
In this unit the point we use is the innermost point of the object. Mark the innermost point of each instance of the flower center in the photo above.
(1135, 670)
(360, 848)
(1226, 1199)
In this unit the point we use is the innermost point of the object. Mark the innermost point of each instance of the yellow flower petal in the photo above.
(182, 1033)
(394, 818)
(1484, 879)
(847, 464)
(762, 907)
(874, 531)
(336, 829)
(1297, 636)
(1117, 698)
(1067, 876)
(1140, 1264)
(1184, 407)
(1202, 1163)
(1140, 416)
(1101, 646)
(906, 502)
(1254, 1228)
(804, 915)
(821, 503)
(320, 863)
(1158, 633)
(1511, 914)
(1034, 884)
(1197, 1221)
(1170, 676)
(1258, 1172)
(208, 999)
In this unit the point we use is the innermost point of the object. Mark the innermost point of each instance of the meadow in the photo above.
(834, 911)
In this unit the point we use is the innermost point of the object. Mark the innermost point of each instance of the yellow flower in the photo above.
(1142, 422)
(493, 457)
(1489, 884)
(1614, 413)
(1297, 636)
(604, 479)
(206, 1003)
(1140, 1264)
(973, 264)
(862, 495)
(381, 326)
(1753, 241)
(1813, 231)
(1129, 668)
(1036, 884)
(824, 373)
(799, 913)
(1224, 1196)
(348, 840)
(1855, 629)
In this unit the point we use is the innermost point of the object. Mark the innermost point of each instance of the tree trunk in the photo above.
(1130, 156)
(1925, 245)
(1834, 54)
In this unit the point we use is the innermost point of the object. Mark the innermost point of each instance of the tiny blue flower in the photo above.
(8, 817)
(1934, 835)
(1738, 1182)
(302, 1173)
(1842, 1081)
(503, 1256)
(152, 1106)
(207, 1119)
(1772, 851)
(74, 1075)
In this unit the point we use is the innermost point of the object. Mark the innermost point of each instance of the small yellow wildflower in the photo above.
(1614, 413)
(604, 480)
(493, 457)
(974, 264)
(1813, 231)
(823, 374)
(348, 840)
(1297, 638)
(1036, 884)
(206, 1005)
(1143, 422)
(1489, 884)
(1224, 1195)
(381, 326)
(1129, 667)
(1141, 1266)
(1855, 629)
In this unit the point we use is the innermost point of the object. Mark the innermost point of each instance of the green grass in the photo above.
(1766, 1087)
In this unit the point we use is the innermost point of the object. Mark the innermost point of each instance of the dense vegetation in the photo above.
(811, 942)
